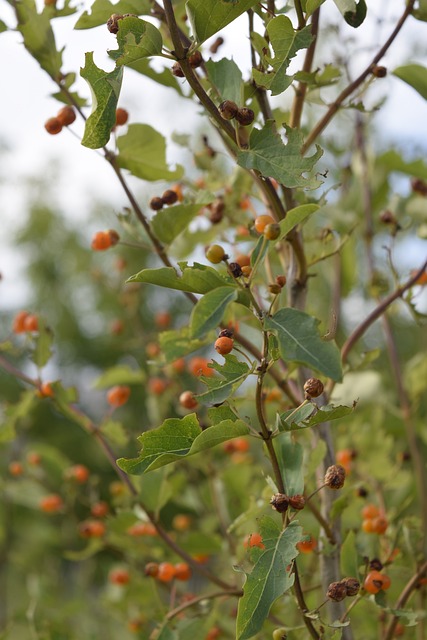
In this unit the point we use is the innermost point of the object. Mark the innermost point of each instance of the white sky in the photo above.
(26, 104)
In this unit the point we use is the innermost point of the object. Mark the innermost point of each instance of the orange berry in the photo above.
(179, 192)
(187, 400)
(136, 625)
(166, 572)
(262, 221)
(308, 545)
(198, 366)
(344, 457)
(99, 509)
(78, 472)
(33, 458)
(368, 525)
(16, 468)
(119, 395)
(399, 630)
(274, 395)
(152, 349)
(182, 571)
(242, 231)
(101, 241)
(213, 633)
(245, 203)
(151, 569)
(121, 116)
(241, 445)
(243, 260)
(253, 540)
(53, 126)
(142, 529)
(375, 581)
(18, 325)
(224, 345)
(201, 558)
(380, 524)
(120, 577)
(46, 390)
(66, 116)
(370, 511)
(163, 319)
(51, 503)
(31, 323)
(181, 522)
(178, 366)
(272, 231)
(92, 529)
(157, 386)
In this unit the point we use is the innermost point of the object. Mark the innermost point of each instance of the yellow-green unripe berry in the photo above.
(215, 253)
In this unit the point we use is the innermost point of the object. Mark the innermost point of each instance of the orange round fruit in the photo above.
(51, 503)
(120, 577)
(66, 115)
(198, 366)
(53, 126)
(182, 571)
(254, 540)
(187, 400)
(166, 572)
(262, 221)
(121, 116)
(118, 395)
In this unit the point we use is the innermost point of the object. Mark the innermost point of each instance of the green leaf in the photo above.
(3, 26)
(296, 216)
(209, 16)
(290, 458)
(393, 161)
(42, 350)
(120, 374)
(415, 75)
(177, 343)
(170, 222)
(354, 12)
(323, 414)
(226, 77)
(39, 39)
(233, 373)
(299, 341)
(197, 279)
(209, 310)
(177, 438)
(163, 77)
(286, 41)
(142, 150)
(349, 559)
(14, 413)
(101, 10)
(115, 433)
(312, 5)
(272, 158)
(269, 578)
(105, 88)
(330, 75)
(64, 94)
(93, 546)
(137, 39)
(298, 416)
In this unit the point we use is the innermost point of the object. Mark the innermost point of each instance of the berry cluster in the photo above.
(230, 111)
(63, 118)
(170, 196)
(25, 322)
(195, 60)
(166, 571)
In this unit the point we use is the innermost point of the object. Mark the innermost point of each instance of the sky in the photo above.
(76, 173)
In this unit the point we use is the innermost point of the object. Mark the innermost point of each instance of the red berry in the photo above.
(254, 540)
(119, 395)
(187, 400)
(78, 472)
(53, 126)
(198, 366)
(119, 576)
(101, 241)
(182, 571)
(308, 545)
(18, 325)
(66, 116)
(16, 468)
(99, 509)
(376, 581)
(121, 116)
(51, 504)
(92, 529)
(31, 323)
(166, 572)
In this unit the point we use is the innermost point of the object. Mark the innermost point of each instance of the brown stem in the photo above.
(334, 107)
(403, 598)
(209, 596)
(301, 89)
(302, 605)
(300, 14)
(322, 521)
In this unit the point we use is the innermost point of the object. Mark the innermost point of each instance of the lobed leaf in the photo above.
(142, 150)
(233, 373)
(101, 10)
(299, 341)
(209, 310)
(207, 17)
(137, 39)
(272, 158)
(105, 88)
(39, 39)
(177, 343)
(177, 438)
(226, 77)
(196, 279)
(270, 577)
(286, 41)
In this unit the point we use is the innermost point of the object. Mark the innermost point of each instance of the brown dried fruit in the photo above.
(313, 388)
(335, 476)
(228, 109)
(280, 502)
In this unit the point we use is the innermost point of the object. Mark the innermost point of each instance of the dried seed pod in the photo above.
(226, 333)
(216, 45)
(280, 502)
(195, 60)
(245, 116)
(376, 564)
(337, 591)
(275, 289)
(169, 197)
(114, 236)
(156, 203)
(236, 269)
(313, 388)
(419, 186)
(113, 22)
(281, 281)
(379, 72)
(177, 70)
(228, 109)
(387, 217)
(352, 586)
(335, 476)
(297, 501)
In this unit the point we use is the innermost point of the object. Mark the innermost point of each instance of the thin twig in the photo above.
(209, 596)
(403, 598)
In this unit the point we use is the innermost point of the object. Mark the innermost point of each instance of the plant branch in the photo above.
(209, 596)
(403, 598)
(301, 90)
(334, 107)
